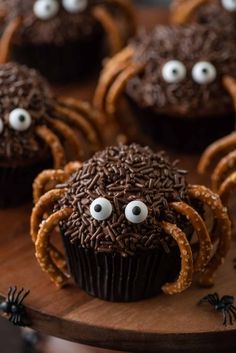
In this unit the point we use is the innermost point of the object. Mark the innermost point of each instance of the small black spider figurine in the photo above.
(13, 306)
(224, 305)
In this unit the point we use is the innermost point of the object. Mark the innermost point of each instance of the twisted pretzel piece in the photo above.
(222, 229)
(43, 248)
(183, 10)
(227, 187)
(112, 69)
(7, 37)
(185, 277)
(205, 245)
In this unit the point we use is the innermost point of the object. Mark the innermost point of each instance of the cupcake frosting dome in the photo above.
(183, 71)
(138, 185)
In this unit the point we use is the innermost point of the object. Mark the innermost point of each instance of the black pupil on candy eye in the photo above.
(21, 118)
(205, 71)
(175, 72)
(48, 7)
(136, 211)
(97, 208)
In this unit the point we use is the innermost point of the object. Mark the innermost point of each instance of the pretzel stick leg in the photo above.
(222, 168)
(227, 142)
(42, 247)
(227, 187)
(40, 184)
(205, 245)
(230, 85)
(113, 68)
(184, 10)
(81, 123)
(69, 135)
(222, 228)
(185, 277)
(55, 145)
(118, 86)
(7, 37)
(128, 11)
(110, 26)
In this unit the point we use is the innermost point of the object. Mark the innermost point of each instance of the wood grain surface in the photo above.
(162, 324)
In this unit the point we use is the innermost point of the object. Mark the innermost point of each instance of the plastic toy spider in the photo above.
(224, 305)
(13, 306)
(75, 27)
(44, 220)
(218, 14)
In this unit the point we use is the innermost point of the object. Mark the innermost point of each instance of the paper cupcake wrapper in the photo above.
(110, 276)
(16, 183)
(185, 134)
(63, 63)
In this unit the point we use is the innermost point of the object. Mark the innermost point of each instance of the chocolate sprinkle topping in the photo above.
(123, 174)
(189, 45)
(62, 28)
(21, 87)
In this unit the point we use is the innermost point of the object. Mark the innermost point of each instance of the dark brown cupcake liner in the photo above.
(16, 182)
(111, 277)
(184, 134)
(69, 62)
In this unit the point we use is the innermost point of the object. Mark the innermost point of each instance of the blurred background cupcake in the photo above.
(65, 40)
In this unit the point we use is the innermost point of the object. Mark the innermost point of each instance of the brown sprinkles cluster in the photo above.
(121, 175)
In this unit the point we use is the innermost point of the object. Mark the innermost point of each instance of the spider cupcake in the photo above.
(177, 82)
(220, 15)
(65, 39)
(127, 216)
(36, 130)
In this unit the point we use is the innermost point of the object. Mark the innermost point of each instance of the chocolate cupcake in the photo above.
(126, 217)
(176, 80)
(66, 39)
(35, 131)
(220, 15)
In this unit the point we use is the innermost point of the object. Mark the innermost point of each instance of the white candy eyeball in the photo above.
(136, 211)
(174, 71)
(229, 5)
(19, 119)
(204, 72)
(74, 6)
(1, 126)
(100, 209)
(46, 9)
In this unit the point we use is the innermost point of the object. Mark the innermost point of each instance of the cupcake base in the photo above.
(111, 277)
(183, 134)
(66, 63)
(16, 182)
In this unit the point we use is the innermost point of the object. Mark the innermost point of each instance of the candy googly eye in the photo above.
(136, 211)
(1, 126)
(204, 72)
(46, 9)
(19, 119)
(100, 209)
(74, 6)
(174, 71)
(229, 5)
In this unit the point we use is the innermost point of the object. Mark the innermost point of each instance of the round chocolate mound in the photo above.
(121, 175)
(188, 45)
(62, 28)
(21, 88)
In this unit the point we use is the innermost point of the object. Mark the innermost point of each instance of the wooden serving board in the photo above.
(162, 324)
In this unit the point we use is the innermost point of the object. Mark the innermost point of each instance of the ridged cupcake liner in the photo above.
(16, 183)
(63, 63)
(184, 134)
(111, 277)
